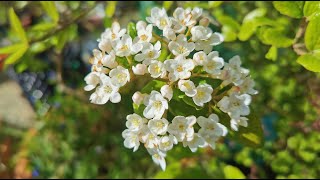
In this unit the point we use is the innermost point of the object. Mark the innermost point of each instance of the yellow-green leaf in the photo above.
(11, 49)
(51, 9)
(272, 53)
(43, 26)
(259, 12)
(111, 8)
(290, 8)
(274, 37)
(312, 35)
(311, 9)
(167, 4)
(249, 27)
(16, 56)
(231, 172)
(16, 25)
(310, 61)
(214, 4)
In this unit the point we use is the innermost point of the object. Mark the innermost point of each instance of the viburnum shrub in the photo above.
(189, 78)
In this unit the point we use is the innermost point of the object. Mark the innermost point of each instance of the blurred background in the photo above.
(48, 128)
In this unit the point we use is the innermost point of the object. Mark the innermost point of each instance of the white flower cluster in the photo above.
(190, 43)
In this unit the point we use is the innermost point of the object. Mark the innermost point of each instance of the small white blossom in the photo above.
(131, 139)
(159, 18)
(158, 126)
(233, 72)
(144, 32)
(167, 92)
(92, 80)
(211, 129)
(135, 122)
(125, 47)
(139, 69)
(182, 127)
(157, 69)
(200, 57)
(109, 35)
(149, 139)
(247, 86)
(179, 68)
(149, 52)
(183, 18)
(235, 105)
(119, 76)
(200, 33)
(169, 33)
(158, 157)
(187, 87)
(166, 142)
(155, 105)
(105, 92)
(242, 121)
(213, 64)
(181, 46)
(138, 97)
(196, 142)
(203, 94)
(206, 45)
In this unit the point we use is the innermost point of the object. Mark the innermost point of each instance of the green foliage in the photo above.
(232, 172)
(110, 8)
(311, 9)
(292, 9)
(310, 61)
(312, 35)
(51, 10)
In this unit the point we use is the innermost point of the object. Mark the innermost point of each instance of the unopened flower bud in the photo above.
(138, 98)
(139, 69)
(204, 22)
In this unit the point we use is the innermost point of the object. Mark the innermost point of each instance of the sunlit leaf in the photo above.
(272, 53)
(51, 10)
(312, 35)
(311, 9)
(310, 61)
(111, 8)
(13, 58)
(290, 8)
(232, 172)
(16, 25)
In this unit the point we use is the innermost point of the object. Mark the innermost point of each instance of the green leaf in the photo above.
(272, 53)
(167, 4)
(65, 36)
(310, 61)
(43, 26)
(293, 9)
(259, 12)
(230, 27)
(273, 36)
(17, 55)
(16, 26)
(138, 109)
(214, 4)
(110, 8)
(312, 35)
(51, 9)
(153, 85)
(249, 27)
(232, 172)
(311, 9)
(11, 49)
(131, 29)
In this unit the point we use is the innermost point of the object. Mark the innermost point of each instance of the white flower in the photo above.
(149, 52)
(119, 76)
(138, 97)
(125, 47)
(144, 32)
(149, 139)
(196, 142)
(181, 46)
(169, 33)
(182, 127)
(233, 72)
(247, 86)
(139, 69)
(213, 64)
(235, 105)
(187, 87)
(159, 18)
(166, 142)
(110, 35)
(131, 139)
(211, 129)
(155, 105)
(185, 18)
(203, 94)
(200, 33)
(200, 57)
(158, 126)
(206, 45)
(242, 121)
(167, 92)
(158, 157)
(135, 122)
(157, 69)
(179, 68)
(105, 92)
(92, 80)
